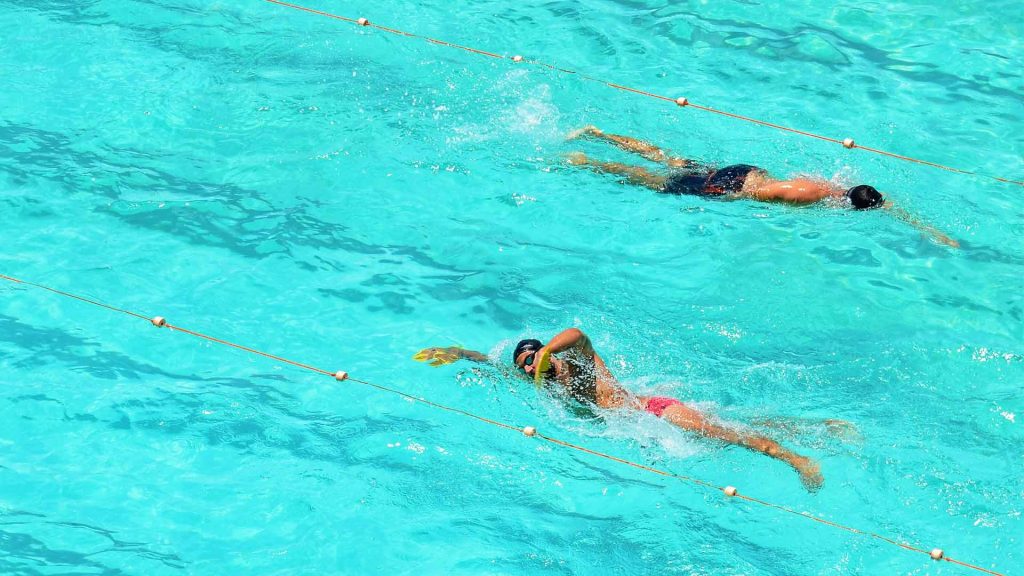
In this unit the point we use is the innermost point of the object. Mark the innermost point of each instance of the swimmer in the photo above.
(689, 177)
(583, 375)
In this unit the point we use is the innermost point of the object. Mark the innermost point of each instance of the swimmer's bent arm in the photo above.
(570, 338)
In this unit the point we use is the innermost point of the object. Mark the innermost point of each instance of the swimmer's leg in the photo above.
(690, 419)
(634, 174)
(630, 144)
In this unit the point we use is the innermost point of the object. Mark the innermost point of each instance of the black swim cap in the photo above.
(524, 345)
(863, 197)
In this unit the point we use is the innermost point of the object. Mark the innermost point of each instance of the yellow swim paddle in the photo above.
(436, 356)
(541, 364)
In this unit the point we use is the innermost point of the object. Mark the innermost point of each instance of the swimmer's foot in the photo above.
(576, 158)
(810, 473)
(846, 431)
(589, 130)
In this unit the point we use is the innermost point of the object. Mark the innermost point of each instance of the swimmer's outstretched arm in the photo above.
(570, 338)
(442, 356)
(928, 229)
(630, 144)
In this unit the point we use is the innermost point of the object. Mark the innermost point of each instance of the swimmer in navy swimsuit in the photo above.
(689, 177)
(705, 181)
(577, 368)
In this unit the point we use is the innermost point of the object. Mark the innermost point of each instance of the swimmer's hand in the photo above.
(441, 356)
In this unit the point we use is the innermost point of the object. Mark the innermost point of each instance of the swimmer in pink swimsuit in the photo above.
(657, 404)
(584, 376)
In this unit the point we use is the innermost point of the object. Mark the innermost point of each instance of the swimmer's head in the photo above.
(527, 358)
(529, 345)
(864, 197)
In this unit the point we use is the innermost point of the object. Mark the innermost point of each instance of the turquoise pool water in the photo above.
(345, 197)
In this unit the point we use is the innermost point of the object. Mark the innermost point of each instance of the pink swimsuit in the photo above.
(657, 404)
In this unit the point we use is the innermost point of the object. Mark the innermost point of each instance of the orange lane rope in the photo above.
(530, 431)
(848, 143)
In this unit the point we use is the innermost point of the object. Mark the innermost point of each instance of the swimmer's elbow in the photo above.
(573, 338)
(574, 335)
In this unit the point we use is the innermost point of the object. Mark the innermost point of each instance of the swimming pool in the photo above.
(345, 197)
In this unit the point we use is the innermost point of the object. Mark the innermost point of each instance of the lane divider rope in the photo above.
(529, 431)
(848, 143)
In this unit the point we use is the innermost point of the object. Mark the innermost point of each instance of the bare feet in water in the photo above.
(576, 158)
(810, 473)
(843, 430)
(585, 131)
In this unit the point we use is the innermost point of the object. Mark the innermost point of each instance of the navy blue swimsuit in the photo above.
(706, 181)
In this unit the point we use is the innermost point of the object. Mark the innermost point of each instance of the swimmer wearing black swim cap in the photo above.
(693, 178)
(864, 197)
